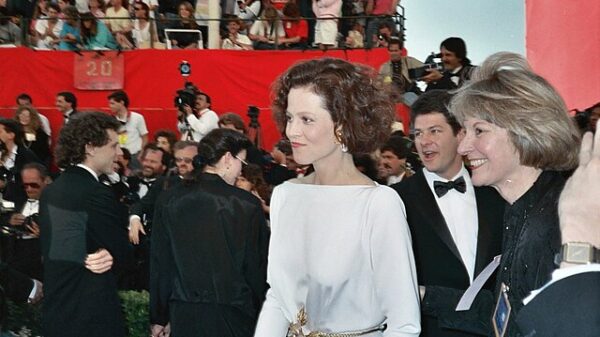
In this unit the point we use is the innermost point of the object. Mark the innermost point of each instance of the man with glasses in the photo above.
(22, 249)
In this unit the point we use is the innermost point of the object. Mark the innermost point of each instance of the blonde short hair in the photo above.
(505, 91)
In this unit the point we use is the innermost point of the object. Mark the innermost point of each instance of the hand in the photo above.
(187, 109)
(160, 331)
(433, 75)
(34, 229)
(16, 219)
(99, 262)
(580, 198)
(39, 292)
(135, 227)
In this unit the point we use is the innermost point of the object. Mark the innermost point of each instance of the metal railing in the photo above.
(159, 27)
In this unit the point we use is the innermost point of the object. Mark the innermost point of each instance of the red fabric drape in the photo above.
(563, 45)
(233, 79)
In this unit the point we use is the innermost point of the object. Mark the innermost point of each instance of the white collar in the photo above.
(87, 168)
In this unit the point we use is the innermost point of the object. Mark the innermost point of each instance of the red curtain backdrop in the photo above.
(563, 45)
(233, 79)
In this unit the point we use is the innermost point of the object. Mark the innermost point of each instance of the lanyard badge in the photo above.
(502, 312)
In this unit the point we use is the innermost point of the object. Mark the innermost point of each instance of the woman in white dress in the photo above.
(340, 257)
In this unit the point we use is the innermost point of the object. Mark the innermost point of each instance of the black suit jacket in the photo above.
(14, 190)
(78, 216)
(437, 258)
(568, 307)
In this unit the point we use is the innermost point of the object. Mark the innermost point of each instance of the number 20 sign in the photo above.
(98, 71)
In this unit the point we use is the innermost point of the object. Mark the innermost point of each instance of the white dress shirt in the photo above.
(460, 212)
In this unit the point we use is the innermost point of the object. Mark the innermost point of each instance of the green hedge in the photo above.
(24, 319)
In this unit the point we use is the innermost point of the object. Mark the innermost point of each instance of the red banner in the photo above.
(233, 79)
(98, 71)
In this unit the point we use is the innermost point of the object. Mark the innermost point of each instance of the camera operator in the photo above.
(22, 248)
(197, 121)
(384, 34)
(457, 67)
(394, 72)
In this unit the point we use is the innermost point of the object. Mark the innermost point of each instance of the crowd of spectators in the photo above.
(182, 24)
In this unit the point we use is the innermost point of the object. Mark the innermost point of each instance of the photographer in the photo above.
(195, 122)
(395, 72)
(457, 67)
(22, 248)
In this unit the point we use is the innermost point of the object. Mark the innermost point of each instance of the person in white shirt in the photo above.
(48, 28)
(199, 120)
(133, 134)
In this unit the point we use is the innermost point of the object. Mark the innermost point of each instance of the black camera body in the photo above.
(430, 64)
(253, 113)
(185, 97)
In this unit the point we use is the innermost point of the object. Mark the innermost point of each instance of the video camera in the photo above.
(430, 63)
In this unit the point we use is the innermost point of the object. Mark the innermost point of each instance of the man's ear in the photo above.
(90, 150)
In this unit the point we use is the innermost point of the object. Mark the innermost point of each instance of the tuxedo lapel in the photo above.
(432, 214)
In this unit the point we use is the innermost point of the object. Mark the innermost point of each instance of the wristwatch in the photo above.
(578, 253)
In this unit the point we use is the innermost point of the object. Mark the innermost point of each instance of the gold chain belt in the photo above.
(295, 329)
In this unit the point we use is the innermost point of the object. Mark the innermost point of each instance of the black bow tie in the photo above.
(441, 188)
(148, 182)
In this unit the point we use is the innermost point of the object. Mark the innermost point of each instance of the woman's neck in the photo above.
(518, 183)
(338, 170)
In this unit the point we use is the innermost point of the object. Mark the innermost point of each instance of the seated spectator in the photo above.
(326, 28)
(118, 20)
(187, 40)
(48, 28)
(97, 8)
(35, 139)
(144, 31)
(266, 31)
(234, 40)
(94, 34)
(9, 32)
(355, 36)
(69, 35)
(296, 28)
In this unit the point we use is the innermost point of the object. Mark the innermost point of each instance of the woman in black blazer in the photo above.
(209, 248)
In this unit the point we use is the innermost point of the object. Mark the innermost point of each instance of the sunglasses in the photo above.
(32, 185)
(242, 160)
(185, 160)
(138, 8)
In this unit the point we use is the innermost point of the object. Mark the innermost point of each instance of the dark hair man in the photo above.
(24, 253)
(457, 67)
(82, 231)
(392, 160)
(66, 103)
(452, 224)
(133, 134)
(199, 120)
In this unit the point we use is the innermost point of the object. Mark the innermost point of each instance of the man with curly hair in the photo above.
(83, 234)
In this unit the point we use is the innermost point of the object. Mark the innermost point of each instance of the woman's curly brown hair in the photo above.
(359, 108)
(87, 128)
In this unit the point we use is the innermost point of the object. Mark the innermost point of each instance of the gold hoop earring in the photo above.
(338, 137)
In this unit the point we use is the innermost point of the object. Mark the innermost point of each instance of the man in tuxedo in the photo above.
(17, 156)
(66, 103)
(81, 224)
(457, 66)
(568, 304)
(456, 228)
(22, 249)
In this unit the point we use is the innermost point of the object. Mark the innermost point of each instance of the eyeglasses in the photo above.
(138, 8)
(185, 160)
(242, 160)
(32, 185)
